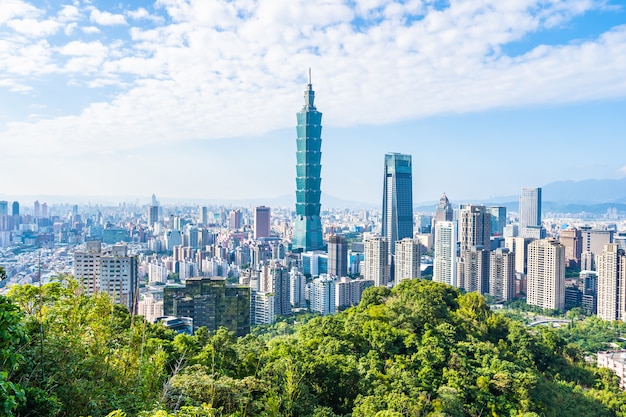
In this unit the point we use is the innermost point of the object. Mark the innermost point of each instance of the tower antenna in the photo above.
(309, 75)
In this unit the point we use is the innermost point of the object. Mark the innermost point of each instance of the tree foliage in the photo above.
(421, 349)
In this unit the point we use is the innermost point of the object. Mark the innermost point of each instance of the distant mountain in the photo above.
(592, 196)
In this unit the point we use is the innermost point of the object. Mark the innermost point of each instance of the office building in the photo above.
(376, 260)
(407, 260)
(297, 284)
(529, 209)
(234, 219)
(444, 262)
(546, 274)
(337, 256)
(498, 220)
(611, 296)
(307, 235)
(502, 274)
(444, 211)
(261, 222)
(16, 208)
(153, 215)
(4, 208)
(211, 303)
(593, 242)
(397, 215)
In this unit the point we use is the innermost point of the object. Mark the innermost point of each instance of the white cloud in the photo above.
(106, 18)
(622, 172)
(143, 14)
(12, 9)
(34, 27)
(90, 30)
(226, 69)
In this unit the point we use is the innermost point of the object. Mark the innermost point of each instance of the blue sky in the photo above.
(197, 99)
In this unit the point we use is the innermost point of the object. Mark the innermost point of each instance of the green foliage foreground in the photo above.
(421, 349)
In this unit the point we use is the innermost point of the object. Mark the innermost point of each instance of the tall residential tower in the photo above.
(307, 235)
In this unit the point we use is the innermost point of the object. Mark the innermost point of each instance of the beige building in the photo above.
(611, 270)
(546, 274)
(376, 260)
(407, 260)
(502, 274)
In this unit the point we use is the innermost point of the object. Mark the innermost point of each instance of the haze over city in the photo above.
(198, 99)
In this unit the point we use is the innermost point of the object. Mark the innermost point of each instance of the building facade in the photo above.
(407, 260)
(397, 215)
(502, 274)
(611, 272)
(444, 262)
(376, 260)
(337, 256)
(546, 274)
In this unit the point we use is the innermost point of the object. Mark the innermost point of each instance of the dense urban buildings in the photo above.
(307, 234)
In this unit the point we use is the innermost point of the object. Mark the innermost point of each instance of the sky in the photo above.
(196, 99)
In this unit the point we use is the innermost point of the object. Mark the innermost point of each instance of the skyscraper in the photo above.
(529, 209)
(474, 227)
(397, 199)
(261, 222)
(546, 274)
(307, 235)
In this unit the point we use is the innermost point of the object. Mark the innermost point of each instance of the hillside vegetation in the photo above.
(421, 349)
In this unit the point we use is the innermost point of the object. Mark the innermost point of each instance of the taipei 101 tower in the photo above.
(307, 233)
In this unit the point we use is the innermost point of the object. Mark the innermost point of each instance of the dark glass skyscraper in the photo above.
(308, 226)
(397, 198)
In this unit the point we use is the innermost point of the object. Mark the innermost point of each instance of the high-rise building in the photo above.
(87, 267)
(444, 212)
(444, 262)
(307, 235)
(262, 307)
(234, 219)
(337, 256)
(407, 260)
(475, 274)
(397, 216)
(502, 274)
(261, 222)
(593, 242)
(16, 208)
(529, 209)
(323, 295)
(546, 274)
(498, 220)
(153, 215)
(37, 209)
(348, 291)
(572, 239)
(376, 264)
(4, 208)
(474, 227)
(611, 295)
(119, 276)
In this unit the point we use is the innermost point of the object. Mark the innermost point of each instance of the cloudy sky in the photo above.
(197, 98)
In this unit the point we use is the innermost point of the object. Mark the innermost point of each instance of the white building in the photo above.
(323, 295)
(261, 307)
(348, 291)
(444, 262)
(377, 260)
(297, 284)
(614, 360)
(407, 260)
(611, 270)
(150, 306)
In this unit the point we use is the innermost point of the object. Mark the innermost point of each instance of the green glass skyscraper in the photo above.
(397, 199)
(308, 226)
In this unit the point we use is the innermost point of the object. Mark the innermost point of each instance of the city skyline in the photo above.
(108, 100)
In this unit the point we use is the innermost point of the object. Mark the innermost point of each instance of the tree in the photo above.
(12, 336)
